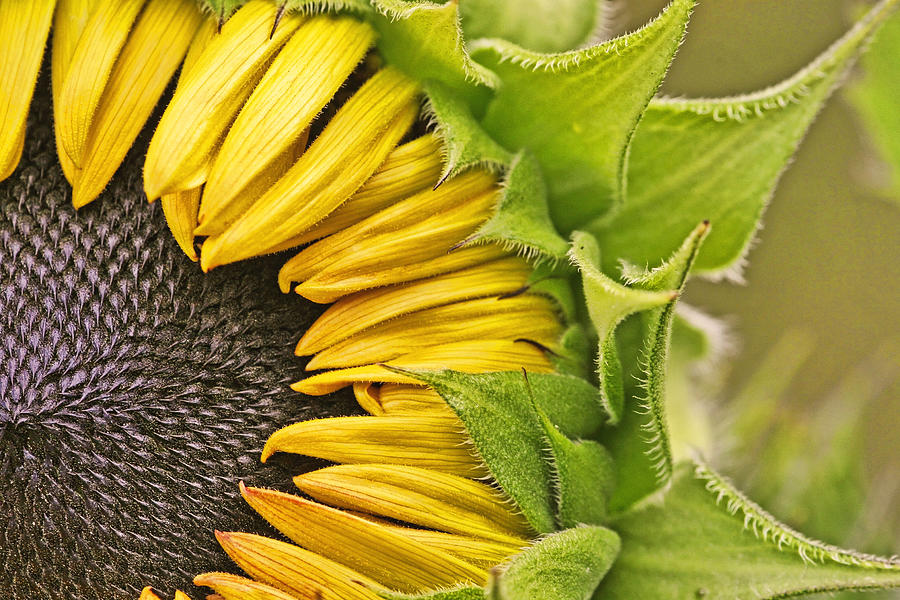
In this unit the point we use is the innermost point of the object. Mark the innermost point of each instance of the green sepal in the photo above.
(459, 593)
(576, 111)
(522, 219)
(719, 159)
(875, 97)
(640, 445)
(694, 374)
(500, 413)
(706, 540)
(363, 7)
(584, 478)
(608, 303)
(466, 144)
(222, 9)
(573, 357)
(554, 26)
(567, 565)
(554, 279)
(424, 39)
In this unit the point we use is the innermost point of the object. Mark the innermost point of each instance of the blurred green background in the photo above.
(825, 266)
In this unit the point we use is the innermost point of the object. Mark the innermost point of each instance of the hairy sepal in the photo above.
(640, 443)
(608, 303)
(567, 565)
(500, 412)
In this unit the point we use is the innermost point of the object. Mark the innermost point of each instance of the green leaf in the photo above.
(706, 540)
(522, 221)
(461, 593)
(576, 111)
(608, 302)
(640, 445)
(540, 25)
(876, 99)
(584, 478)
(719, 160)
(567, 565)
(424, 39)
(500, 413)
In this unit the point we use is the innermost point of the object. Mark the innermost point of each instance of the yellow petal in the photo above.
(476, 551)
(68, 24)
(365, 309)
(430, 442)
(154, 50)
(234, 587)
(260, 184)
(419, 496)
(527, 316)
(23, 32)
(330, 285)
(180, 210)
(409, 169)
(304, 76)
(479, 552)
(393, 399)
(353, 144)
(395, 561)
(461, 205)
(479, 356)
(95, 55)
(209, 96)
(205, 35)
(179, 595)
(299, 572)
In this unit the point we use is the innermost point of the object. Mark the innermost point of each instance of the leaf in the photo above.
(719, 159)
(567, 565)
(576, 111)
(608, 302)
(704, 539)
(504, 424)
(522, 221)
(424, 39)
(584, 478)
(875, 97)
(640, 445)
(540, 25)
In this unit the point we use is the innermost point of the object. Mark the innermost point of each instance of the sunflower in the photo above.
(458, 317)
